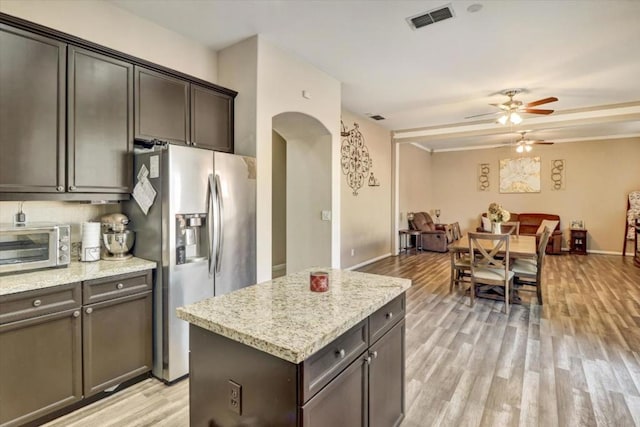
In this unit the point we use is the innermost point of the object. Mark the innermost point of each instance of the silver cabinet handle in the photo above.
(76, 313)
(194, 144)
(60, 188)
(72, 188)
(37, 303)
(374, 354)
(119, 286)
(89, 310)
(341, 353)
(368, 359)
(389, 315)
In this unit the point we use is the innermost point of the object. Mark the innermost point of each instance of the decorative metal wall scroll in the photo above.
(356, 162)
(373, 181)
(557, 174)
(483, 176)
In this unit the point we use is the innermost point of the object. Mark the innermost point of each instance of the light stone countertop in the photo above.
(76, 271)
(284, 318)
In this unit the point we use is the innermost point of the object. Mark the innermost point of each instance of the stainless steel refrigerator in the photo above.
(200, 230)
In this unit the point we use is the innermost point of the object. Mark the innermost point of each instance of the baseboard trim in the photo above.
(608, 252)
(599, 252)
(369, 261)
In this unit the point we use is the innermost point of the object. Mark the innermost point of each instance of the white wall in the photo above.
(308, 194)
(238, 70)
(414, 170)
(281, 79)
(366, 218)
(106, 24)
(279, 207)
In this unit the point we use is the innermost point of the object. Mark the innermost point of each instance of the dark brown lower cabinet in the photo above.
(116, 341)
(386, 379)
(40, 366)
(341, 403)
(55, 340)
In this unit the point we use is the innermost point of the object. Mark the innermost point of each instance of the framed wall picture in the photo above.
(577, 224)
(521, 175)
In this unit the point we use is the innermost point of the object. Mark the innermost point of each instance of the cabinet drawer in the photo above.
(384, 319)
(115, 287)
(323, 366)
(24, 305)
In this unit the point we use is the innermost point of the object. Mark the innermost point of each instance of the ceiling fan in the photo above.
(510, 110)
(523, 144)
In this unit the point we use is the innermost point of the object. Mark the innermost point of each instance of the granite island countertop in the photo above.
(76, 272)
(284, 318)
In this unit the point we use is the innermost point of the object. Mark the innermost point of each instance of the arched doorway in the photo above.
(301, 193)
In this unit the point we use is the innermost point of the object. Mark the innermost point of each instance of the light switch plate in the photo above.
(326, 215)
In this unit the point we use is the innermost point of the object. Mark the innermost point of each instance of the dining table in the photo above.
(520, 246)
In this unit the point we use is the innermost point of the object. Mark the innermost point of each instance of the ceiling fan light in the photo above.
(503, 119)
(527, 147)
(515, 118)
(519, 148)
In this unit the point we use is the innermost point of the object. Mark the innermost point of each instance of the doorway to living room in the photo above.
(301, 193)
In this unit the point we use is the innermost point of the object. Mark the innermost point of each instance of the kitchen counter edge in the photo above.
(194, 314)
(76, 272)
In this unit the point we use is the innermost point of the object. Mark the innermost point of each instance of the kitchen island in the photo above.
(278, 354)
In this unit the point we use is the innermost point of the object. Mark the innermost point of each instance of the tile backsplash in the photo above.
(61, 212)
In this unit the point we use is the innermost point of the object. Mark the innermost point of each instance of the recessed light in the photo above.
(474, 8)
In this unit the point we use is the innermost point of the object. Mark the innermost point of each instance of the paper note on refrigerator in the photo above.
(144, 194)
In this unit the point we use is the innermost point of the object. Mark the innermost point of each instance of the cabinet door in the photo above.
(161, 106)
(32, 114)
(386, 379)
(100, 123)
(40, 366)
(211, 119)
(116, 341)
(343, 402)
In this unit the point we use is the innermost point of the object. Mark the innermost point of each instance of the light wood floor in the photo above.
(575, 361)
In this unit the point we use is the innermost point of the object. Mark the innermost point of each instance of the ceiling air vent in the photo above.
(377, 117)
(430, 17)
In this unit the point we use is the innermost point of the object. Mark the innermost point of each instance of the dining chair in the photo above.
(460, 269)
(529, 271)
(448, 228)
(512, 227)
(486, 267)
(457, 234)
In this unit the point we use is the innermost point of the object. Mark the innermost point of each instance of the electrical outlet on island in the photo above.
(353, 252)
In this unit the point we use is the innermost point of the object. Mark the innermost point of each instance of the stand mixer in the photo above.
(117, 241)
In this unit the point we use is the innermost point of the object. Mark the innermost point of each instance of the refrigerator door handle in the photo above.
(220, 224)
(211, 230)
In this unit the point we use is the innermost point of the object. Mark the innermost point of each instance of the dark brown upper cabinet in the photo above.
(161, 107)
(32, 112)
(211, 119)
(100, 123)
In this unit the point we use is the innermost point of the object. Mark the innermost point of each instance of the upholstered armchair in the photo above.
(432, 239)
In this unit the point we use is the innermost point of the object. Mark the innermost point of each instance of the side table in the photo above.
(405, 240)
(578, 241)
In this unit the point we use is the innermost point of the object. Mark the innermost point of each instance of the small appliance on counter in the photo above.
(33, 246)
(117, 241)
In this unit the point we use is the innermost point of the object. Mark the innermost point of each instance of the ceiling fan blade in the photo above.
(543, 142)
(541, 101)
(485, 114)
(536, 111)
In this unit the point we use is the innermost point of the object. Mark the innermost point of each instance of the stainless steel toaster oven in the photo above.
(34, 246)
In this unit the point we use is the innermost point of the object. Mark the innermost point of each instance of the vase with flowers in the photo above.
(497, 215)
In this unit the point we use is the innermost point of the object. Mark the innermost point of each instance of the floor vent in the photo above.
(430, 17)
(377, 117)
